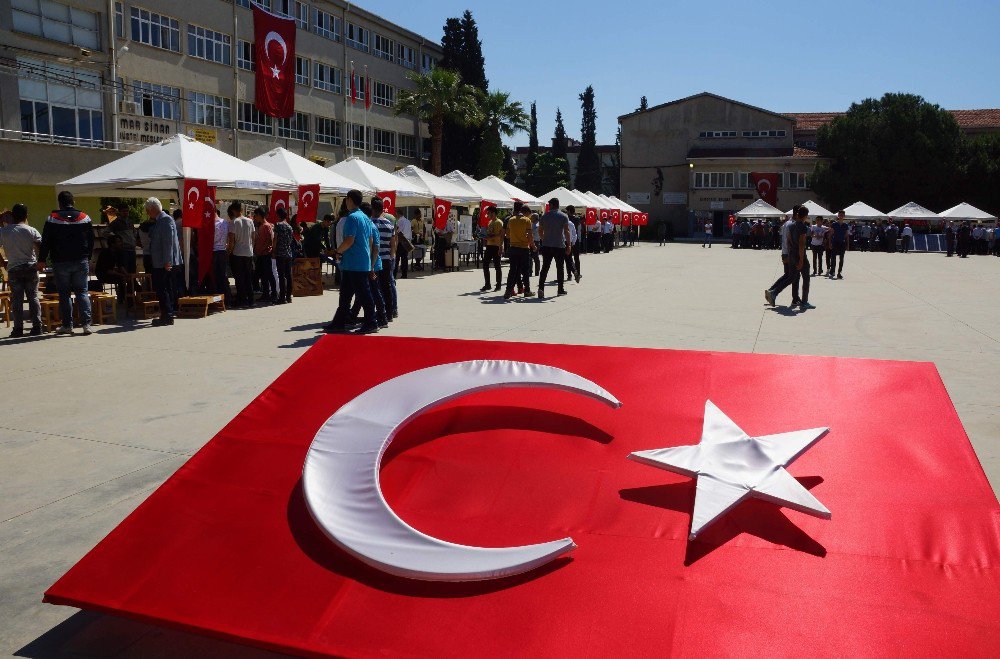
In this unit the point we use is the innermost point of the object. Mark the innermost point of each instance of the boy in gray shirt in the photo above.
(20, 243)
(553, 230)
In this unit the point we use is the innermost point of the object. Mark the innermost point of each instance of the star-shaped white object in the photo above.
(731, 466)
(276, 72)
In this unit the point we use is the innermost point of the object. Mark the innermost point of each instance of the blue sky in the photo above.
(786, 56)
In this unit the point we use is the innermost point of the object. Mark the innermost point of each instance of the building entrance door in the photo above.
(719, 222)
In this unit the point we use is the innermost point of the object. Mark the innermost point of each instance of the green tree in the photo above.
(889, 151)
(463, 53)
(437, 97)
(643, 105)
(502, 117)
(548, 173)
(588, 164)
(529, 163)
(509, 168)
(981, 180)
(616, 165)
(559, 139)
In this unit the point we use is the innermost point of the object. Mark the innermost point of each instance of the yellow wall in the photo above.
(41, 200)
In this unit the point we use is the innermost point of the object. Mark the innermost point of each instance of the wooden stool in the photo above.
(50, 314)
(198, 306)
(5, 307)
(102, 305)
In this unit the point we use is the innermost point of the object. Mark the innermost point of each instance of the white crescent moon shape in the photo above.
(274, 36)
(197, 193)
(307, 195)
(340, 477)
(387, 203)
(763, 186)
(439, 211)
(279, 203)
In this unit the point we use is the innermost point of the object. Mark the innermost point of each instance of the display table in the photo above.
(467, 251)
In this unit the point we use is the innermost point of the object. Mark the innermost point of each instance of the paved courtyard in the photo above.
(92, 425)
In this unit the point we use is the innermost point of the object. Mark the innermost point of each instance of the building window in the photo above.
(210, 45)
(382, 47)
(155, 29)
(295, 127)
(328, 78)
(383, 94)
(427, 63)
(302, 71)
(297, 11)
(357, 36)
(119, 20)
(383, 141)
(328, 131)
(745, 182)
(158, 101)
(246, 58)
(763, 133)
(406, 56)
(717, 180)
(60, 103)
(356, 136)
(710, 134)
(56, 21)
(252, 120)
(266, 4)
(407, 146)
(795, 181)
(209, 110)
(327, 25)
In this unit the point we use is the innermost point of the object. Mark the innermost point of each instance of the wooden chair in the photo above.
(103, 306)
(199, 306)
(50, 313)
(5, 306)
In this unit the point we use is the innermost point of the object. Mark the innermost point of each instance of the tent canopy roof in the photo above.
(595, 201)
(472, 186)
(566, 198)
(815, 210)
(966, 211)
(859, 210)
(302, 171)
(627, 207)
(913, 210)
(374, 178)
(760, 208)
(502, 187)
(435, 187)
(161, 169)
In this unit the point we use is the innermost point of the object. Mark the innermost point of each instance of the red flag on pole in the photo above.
(206, 236)
(767, 186)
(388, 202)
(368, 91)
(483, 205)
(354, 85)
(441, 209)
(308, 198)
(279, 199)
(275, 51)
(645, 219)
(616, 216)
(591, 217)
(195, 191)
(605, 215)
(626, 218)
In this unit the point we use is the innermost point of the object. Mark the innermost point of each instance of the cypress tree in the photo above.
(532, 140)
(463, 53)
(588, 165)
(643, 104)
(559, 146)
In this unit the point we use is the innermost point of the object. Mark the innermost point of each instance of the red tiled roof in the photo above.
(750, 152)
(799, 152)
(987, 118)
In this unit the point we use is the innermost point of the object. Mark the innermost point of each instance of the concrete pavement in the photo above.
(92, 425)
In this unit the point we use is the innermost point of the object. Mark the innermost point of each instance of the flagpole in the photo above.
(367, 90)
(350, 132)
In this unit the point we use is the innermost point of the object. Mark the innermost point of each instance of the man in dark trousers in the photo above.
(165, 252)
(494, 248)
(964, 240)
(578, 232)
(68, 238)
(949, 238)
(554, 233)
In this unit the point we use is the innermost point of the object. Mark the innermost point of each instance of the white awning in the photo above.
(760, 208)
(913, 211)
(435, 187)
(379, 180)
(594, 200)
(628, 207)
(815, 210)
(966, 211)
(566, 198)
(473, 186)
(862, 211)
(502, 187)
(301, 171)
(160, 169)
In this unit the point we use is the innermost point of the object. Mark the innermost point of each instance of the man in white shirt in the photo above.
(239, 244)
(607, 237)
(907, 238)
(220, 259)
(405, 229)
(709, 228)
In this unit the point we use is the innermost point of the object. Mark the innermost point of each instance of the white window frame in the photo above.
(427, 63)
(159, 27)
(326, 25)
(165, 101)
(40, 83)
(404, 141)
(383, 94)
(796, 181)
(382, 47)
(209, 110)
(383, 141)
(246, 56)
(357, 36)
(252, 120)
(209, 45)
(353, 132)
(72, 26)
(295, 127)
(334, 136)
(297, 11)
(303, 71)
(406, 62)
(328, 78)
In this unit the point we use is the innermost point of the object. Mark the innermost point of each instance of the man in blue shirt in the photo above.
(355, 253)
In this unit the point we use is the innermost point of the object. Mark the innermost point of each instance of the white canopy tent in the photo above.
(379, 180)
(434, 187)
(627, 207)
(913, 211)
(862, 211)
(566, 198)
(815, 210)
(966, 211)
(473, 186)
(594, 200)
(501, 187)
(301, 171)
(760, 208)
(160, 170)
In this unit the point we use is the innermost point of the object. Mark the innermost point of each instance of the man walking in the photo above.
(68, 238)
(404, 229)
(355, 253)
(576, 229)
(519, 237)
(494, 248)
(907, 238)
(790, 276)
(263, 249)
(840, 242)
(949, 238)
(21, 242)
(708, 235)
(220, 257)
(553, 230)
(385, 224)
(165, 252)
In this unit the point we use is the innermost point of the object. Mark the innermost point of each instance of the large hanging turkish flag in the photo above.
(442, 207)
(308, 198)
(206, 235)
(193, 200)
(591, 217)
(274, 47)
(279, 199)
(767, 186)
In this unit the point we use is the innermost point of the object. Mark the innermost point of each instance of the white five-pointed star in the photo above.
(731, 466)
(276, 72)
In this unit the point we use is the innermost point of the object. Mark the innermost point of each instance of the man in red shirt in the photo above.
(263, 248)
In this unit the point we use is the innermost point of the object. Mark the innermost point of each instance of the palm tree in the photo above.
(502, 115)
(436, 96)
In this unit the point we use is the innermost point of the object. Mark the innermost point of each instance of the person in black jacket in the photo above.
(68, 240)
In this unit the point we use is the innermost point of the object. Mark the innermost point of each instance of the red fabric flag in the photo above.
(645, 219)
(626, 218)
(546, 210)
(605, 215)
(616, 216)
(354, 85)
(908, 564)
(483, 205)
(279, 199)
(274, 47)
(368, 92)
(206, 236)
(767, 186)
(442, 208)
(194, 193)
(308, 198)
(591, 217)
(388, 202)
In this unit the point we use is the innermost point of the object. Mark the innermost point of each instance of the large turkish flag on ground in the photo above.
(193, 209)
(274, 47)
(767, 186)
(908, 565)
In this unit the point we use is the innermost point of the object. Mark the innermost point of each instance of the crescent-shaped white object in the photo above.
(340, 477)
(274, 36)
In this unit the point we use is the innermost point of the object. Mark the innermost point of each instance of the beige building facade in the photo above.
(689, 161)
(82, 81)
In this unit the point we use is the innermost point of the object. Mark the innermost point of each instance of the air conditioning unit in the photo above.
(130, 107)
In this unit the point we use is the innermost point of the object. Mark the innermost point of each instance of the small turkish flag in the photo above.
(441, 209)
(616, 216)
(767, 186)
(388, 202)
(279, 199)
(605, 215)
(368, 91)
(626, 218)
(483, 205)
(275, 51)
(308, 196)
(206, 235)
(195, 191)
(591, 217)
(645, 219)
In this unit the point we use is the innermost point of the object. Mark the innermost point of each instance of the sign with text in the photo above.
(675, 198)
(637, 198)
